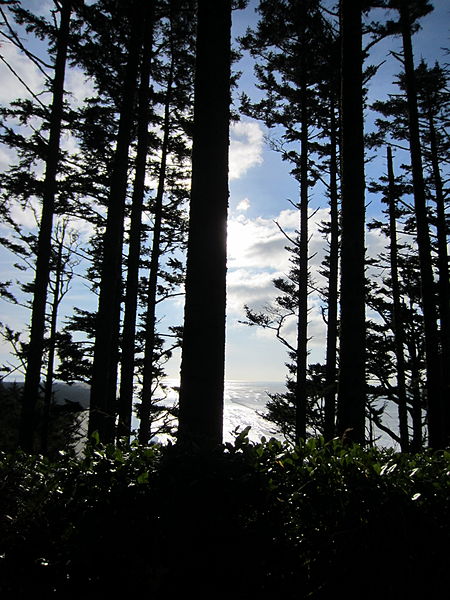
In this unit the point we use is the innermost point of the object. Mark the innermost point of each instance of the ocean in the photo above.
(245, 403)
(244, 406)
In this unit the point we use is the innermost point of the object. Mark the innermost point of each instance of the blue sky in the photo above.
(254, 354)
(260, 186)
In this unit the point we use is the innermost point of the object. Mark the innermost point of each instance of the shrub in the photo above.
(253, 520)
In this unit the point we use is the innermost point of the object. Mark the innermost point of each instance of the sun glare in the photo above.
(238, 240)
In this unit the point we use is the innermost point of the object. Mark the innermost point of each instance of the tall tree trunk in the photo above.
(332, 317)
(134, 249)
(301, 395)
(397, 321)
(37, 329)
(433, 359)
(150, 318)
(48, 386)
(203, 350)
(444, 280)
(106, 348)
(416, 412)
(352, 392)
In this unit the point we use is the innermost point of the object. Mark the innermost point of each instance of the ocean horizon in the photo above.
(244, 406)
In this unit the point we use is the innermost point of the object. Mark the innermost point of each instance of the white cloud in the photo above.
(79, 86)
(243, 205)
(27, 216)
(260, 243)
(288, 219)
(7, 157)
(245, 286)
(255, 243)
(246, 147)
(11, 87)
(257, 254)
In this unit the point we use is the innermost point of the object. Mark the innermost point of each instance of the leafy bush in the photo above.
(253, 520)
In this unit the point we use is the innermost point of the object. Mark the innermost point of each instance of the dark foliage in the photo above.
(317, 521)
(63, 426)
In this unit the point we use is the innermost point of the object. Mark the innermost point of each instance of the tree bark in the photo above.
(433, 359)
(150, 318)
(416, 411)
(134, 249)
(351, 395)
(301, 396)
(397, 322)
(48, 386)
(444, 280)
(106, 348)
(37, 329)
(332, 316)
(203, 350)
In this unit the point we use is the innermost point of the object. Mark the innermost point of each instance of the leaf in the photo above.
(388, 469)
(142, 478)
(95, 437)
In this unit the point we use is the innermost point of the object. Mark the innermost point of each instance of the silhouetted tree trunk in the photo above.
(301, 396)
(416, 412)
(332, 314)
(150, 318)
(351, 396)
(48, 386)
(444, 280)
(203, 350)
(397, 322)
(134, 250)
(433, 359)
(106, 349)
(37, 329)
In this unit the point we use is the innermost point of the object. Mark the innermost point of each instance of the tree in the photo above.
(398, 319)
(63, 264)
(103, 31)
(106, 348)
(434, 374)
(397, 312)
(302, 323)
(434, 105)
(351, 394)
(135, 235)
(433, 358)
(164, 217)
(392, 314)
(330, 90)
(203, 349)
(294, 43)
(62, 430)
(278, 317)
(37, 329)
(410, 11)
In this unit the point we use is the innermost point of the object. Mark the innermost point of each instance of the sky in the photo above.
(260, 193)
